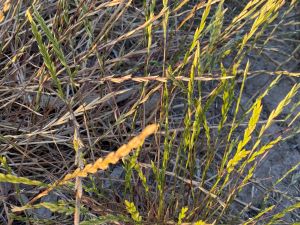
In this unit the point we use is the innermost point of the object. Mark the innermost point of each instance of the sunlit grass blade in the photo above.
(59, 207)
(46, 56)
(19, 180)
(241, 152)
(55, 43)
(133, 211)
(281, 214)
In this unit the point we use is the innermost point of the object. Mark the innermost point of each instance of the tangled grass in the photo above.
(80, 78)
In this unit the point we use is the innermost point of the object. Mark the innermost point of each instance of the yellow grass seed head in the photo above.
(114, 157)
(1, 16)
(28, 14)
(6, 6)
(111, 158)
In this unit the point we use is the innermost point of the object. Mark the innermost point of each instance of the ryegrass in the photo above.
(79, 78)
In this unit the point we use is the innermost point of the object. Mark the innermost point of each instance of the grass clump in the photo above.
(78, 79)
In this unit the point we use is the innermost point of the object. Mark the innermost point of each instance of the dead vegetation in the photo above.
(78, 79)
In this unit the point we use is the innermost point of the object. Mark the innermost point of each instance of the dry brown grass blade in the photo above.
(84, 107)
(158, 78)
(134, 31)
(193, 11)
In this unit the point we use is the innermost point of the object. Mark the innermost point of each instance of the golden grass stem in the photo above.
(100, 164)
